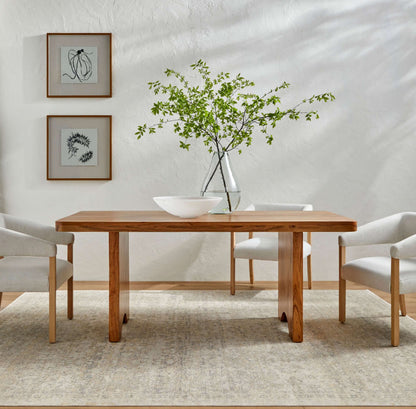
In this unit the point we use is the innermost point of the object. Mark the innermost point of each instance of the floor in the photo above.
(216, 285)
(205, 407)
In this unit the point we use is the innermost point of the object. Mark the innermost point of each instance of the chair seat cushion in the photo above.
(31, 273)
(263, 248)
(375, 272)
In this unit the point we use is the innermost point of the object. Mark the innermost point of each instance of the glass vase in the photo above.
(220, 181)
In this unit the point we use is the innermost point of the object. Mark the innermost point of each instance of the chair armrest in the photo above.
(405, 248)
(41, 231)
(13, 243)
(382, 231)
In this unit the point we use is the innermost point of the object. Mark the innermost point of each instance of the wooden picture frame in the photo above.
(78, 65)
(78, 147)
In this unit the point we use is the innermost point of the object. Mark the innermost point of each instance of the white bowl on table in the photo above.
(187, 206)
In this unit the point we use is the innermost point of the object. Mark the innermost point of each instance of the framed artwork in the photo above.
(78, 65)
(78, 147)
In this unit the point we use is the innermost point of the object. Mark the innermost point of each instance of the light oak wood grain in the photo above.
(118, 283)
(296, 222)
(1, 294)
(402, 304)
(290, 294)
(251, 271)
(70, 284)
(394, 288)
(250, 262)
(309, 260)
(52, 300)
(232, 264)
(159, 221)
(342, 285)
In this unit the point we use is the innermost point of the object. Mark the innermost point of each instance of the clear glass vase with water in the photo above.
(220, 181)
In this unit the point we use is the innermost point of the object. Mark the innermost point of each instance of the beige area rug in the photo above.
(206, 348)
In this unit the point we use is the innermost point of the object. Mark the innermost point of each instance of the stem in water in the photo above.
(213, 173)
(223, 179)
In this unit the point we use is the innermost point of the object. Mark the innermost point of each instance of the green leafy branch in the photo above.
(220, 111)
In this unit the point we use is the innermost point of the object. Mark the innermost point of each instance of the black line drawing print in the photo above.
(73, 150)
(86, 157)
(80, 64)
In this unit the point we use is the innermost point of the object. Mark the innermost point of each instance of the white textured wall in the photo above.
(357, 160)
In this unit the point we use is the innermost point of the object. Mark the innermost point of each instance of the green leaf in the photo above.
(184, 145)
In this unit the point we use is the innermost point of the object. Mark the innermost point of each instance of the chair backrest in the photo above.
(407, 225)
(266, 207)
(387, 230)
(2, 221)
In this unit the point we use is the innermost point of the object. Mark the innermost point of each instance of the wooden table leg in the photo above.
(291, 282)
(118, 283)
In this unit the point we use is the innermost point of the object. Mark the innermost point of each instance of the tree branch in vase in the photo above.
(220, 111)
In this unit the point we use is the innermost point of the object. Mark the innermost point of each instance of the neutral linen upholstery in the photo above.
(13, 243)
(405, 248)
(31, 273)
(28, 262)
(398, 230)
(269, 207)
(263, 248)
(41, 231)
(266, 247)
(374, 272)
(391, 229)
(395, 274)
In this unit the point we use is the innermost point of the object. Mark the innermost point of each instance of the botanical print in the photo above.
(79, 147)
(79, 65)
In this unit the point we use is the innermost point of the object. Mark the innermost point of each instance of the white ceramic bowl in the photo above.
(187, 206)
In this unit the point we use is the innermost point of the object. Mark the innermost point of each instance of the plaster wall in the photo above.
(357, 160)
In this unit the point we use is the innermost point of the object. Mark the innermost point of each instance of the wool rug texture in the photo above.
(205, 348)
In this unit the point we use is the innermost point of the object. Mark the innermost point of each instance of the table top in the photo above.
(241, 221)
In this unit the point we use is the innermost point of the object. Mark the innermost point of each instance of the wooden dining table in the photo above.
(289, 224)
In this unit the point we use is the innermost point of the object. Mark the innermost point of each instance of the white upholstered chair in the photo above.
(266, 248)
(28, 262)
(395, 274)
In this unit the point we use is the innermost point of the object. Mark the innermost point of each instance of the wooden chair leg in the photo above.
(402, 304)
(232, 264)
(309, 260)
(250, 267)
(52, 300)
(395, 297)
(1, 294)
(70, 298)
(309, 263)
(342, 286)
(70, 285)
